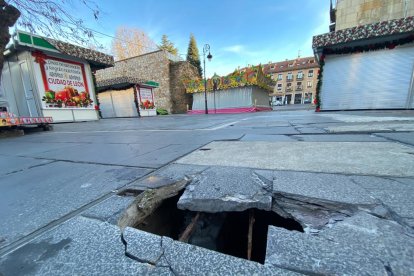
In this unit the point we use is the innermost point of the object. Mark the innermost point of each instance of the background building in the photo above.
(350, 13)
(295, 80)
(156, 67)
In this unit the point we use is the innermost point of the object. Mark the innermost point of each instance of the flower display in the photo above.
(67, 97)
(147, 104)
(249, 76)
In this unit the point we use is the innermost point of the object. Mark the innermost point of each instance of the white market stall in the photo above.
(49, 78)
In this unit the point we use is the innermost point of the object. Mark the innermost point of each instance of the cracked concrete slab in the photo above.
(370, 158)
(359, 244)
(243, 189)
(81, 246)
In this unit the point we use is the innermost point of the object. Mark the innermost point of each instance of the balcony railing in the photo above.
(288, 89)
(299, 77)
(299, 88)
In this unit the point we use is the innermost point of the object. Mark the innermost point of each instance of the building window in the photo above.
(309, 84)
(300, 75)
(279, 76)
(279, 86)
(289, 85)
(290, 65)
(272, 67)
(310, 73)
(289, 76)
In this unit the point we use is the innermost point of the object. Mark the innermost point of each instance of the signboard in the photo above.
(64, 83)
(152, 83)
(146, 98)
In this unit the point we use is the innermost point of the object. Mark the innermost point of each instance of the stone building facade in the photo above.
(181, 101)
(295, 80)
(159, 67)
(351, 13)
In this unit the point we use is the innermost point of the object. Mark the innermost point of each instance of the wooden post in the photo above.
(250, 234)
(190, 228)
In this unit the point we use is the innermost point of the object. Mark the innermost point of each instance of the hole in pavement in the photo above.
(129, 192)
(225, 232)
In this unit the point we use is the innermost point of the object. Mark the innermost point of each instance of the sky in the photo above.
(239, 33)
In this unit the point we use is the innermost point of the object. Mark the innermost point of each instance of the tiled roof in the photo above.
(365, 32)
(296, 64)
(117, 82)
(97, 59)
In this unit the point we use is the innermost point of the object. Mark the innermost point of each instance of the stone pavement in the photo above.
(346, 178)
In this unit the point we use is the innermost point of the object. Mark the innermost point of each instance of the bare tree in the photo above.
(50, 18)
(131, 42)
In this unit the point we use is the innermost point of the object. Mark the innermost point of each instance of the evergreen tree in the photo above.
(167, 45)
(193, 56)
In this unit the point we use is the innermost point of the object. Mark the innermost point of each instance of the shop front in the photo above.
(48, 78)
(126, 97)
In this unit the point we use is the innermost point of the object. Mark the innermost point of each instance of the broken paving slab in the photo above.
(359, 244)
(226, 189)
(186, 259)
(370, 158)
(109, 210)
(395, 193)
(318, 200)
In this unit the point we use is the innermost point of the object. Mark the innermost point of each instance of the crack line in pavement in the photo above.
(31, 167)
(89, 162)
(394, 140)
(131, 256)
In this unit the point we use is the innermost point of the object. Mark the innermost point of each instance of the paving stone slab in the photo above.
(262, 137)
(167, 175)
(186, 259)
(397, 193)
(404, 137)
(339, 138)
(370, 158)
(362, 244)
(80, 246)
(221, 189)
(109, 210)
(310, 130)
(13, 164)
(320, 186)
(35, 197)
(372, 127)
(160, 157)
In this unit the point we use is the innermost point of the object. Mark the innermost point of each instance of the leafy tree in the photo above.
(167, 45)
(193, 56)
(131, 42)
(53, 19)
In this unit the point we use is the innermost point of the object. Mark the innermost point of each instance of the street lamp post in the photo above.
(206, 49)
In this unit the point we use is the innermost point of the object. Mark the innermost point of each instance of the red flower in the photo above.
(96, 107)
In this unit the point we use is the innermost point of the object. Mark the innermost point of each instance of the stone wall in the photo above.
(352, 13)
(180, 99)
(153, 66)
